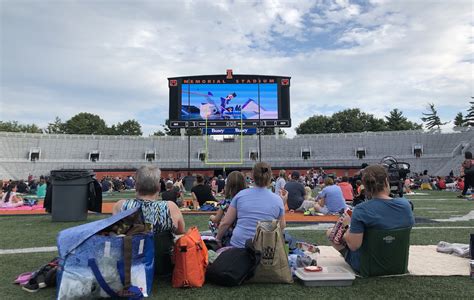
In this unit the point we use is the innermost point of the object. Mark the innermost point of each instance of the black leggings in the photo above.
(468, 182)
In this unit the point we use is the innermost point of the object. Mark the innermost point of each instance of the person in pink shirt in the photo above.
(347, 190)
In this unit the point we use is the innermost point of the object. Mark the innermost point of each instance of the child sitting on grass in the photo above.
(235, 183)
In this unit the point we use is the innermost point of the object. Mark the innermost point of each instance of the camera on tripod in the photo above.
(397, 173)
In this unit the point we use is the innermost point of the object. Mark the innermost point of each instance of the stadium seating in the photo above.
(442, 152)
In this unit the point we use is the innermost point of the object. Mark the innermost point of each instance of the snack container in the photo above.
(472, 269)
(328, 276)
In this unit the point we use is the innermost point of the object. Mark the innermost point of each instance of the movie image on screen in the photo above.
(229, 101)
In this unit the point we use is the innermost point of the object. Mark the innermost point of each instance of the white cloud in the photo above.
(60, 58)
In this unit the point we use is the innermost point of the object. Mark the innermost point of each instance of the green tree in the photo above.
(14, 126)
(348, 120)
(431, 118)
(86, 123)
(314, 124)
(469, 120)
(130, 127)
(57, 126)
(396, 121)
(354, 120)
(158, 133)
(271, 131)
(459, 120)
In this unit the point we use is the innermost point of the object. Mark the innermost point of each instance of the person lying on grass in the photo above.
(252, 205)
(163, 215)
(380, 212)
(235, 183)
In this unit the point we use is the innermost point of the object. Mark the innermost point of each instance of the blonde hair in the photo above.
(308, 193)
(262, 174)
(328, 181)
(282, 174)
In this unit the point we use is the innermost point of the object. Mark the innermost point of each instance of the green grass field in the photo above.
(39, 231)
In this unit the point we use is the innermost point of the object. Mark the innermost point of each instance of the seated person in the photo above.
(235, 183)
(22, 187)
(250, 206)
(441, 185)
(10, 198)
(425, 181)
(106, 185)
(41, 188)
(331, 200)
(162, 215)
(171, 194)
(380, 212)
(201, 192)
(346, 188)
(296, 194)
(307, 195)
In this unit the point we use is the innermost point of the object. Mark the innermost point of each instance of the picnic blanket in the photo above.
(26, 210)
(423, 261)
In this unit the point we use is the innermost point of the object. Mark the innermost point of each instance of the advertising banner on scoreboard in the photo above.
(229, 131)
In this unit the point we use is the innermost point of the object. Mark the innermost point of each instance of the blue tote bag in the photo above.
(95, 265)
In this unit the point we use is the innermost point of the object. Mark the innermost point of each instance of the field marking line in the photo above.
(323, 227)
(29, 250)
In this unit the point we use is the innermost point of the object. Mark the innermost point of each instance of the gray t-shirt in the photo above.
(188, 182)
(295, 194)
(279, 184)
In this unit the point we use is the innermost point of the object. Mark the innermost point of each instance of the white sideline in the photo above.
(323, 227)
(317, 227)
(28, 250)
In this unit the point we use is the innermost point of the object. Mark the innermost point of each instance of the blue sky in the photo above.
(58, 58)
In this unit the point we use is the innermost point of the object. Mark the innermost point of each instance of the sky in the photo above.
(113, 58)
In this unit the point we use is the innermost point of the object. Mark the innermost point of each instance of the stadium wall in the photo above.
(442, 152)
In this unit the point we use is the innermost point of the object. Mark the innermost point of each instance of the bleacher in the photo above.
(442, 152)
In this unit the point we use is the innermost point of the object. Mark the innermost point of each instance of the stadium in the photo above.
(253, 185)
(37, 154)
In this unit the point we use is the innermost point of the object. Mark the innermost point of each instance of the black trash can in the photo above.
(70, 190)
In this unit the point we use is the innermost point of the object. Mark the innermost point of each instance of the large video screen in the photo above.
(229, 101)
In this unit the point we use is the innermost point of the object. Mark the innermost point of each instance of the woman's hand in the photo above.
(284, 195)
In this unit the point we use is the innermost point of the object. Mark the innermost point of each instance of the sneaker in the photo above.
(460, 196)
(32, 286)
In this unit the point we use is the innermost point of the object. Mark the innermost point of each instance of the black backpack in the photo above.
(235, 265)
(164, 243)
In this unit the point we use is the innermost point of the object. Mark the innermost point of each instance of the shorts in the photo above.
(307, 204)
(352, 258)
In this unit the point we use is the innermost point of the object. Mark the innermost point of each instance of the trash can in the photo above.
(70, 190)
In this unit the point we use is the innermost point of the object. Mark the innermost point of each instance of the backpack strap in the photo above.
(100, 279)
(127, 260)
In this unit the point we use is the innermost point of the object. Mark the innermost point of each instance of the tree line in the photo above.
(355, 120)
(348, 120)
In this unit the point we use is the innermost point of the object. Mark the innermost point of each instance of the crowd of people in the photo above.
(244, 206)
(246, 199)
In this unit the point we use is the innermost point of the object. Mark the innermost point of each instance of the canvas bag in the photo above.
(95, 266)
(273, 267)
(235, 265)
(190, 256)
